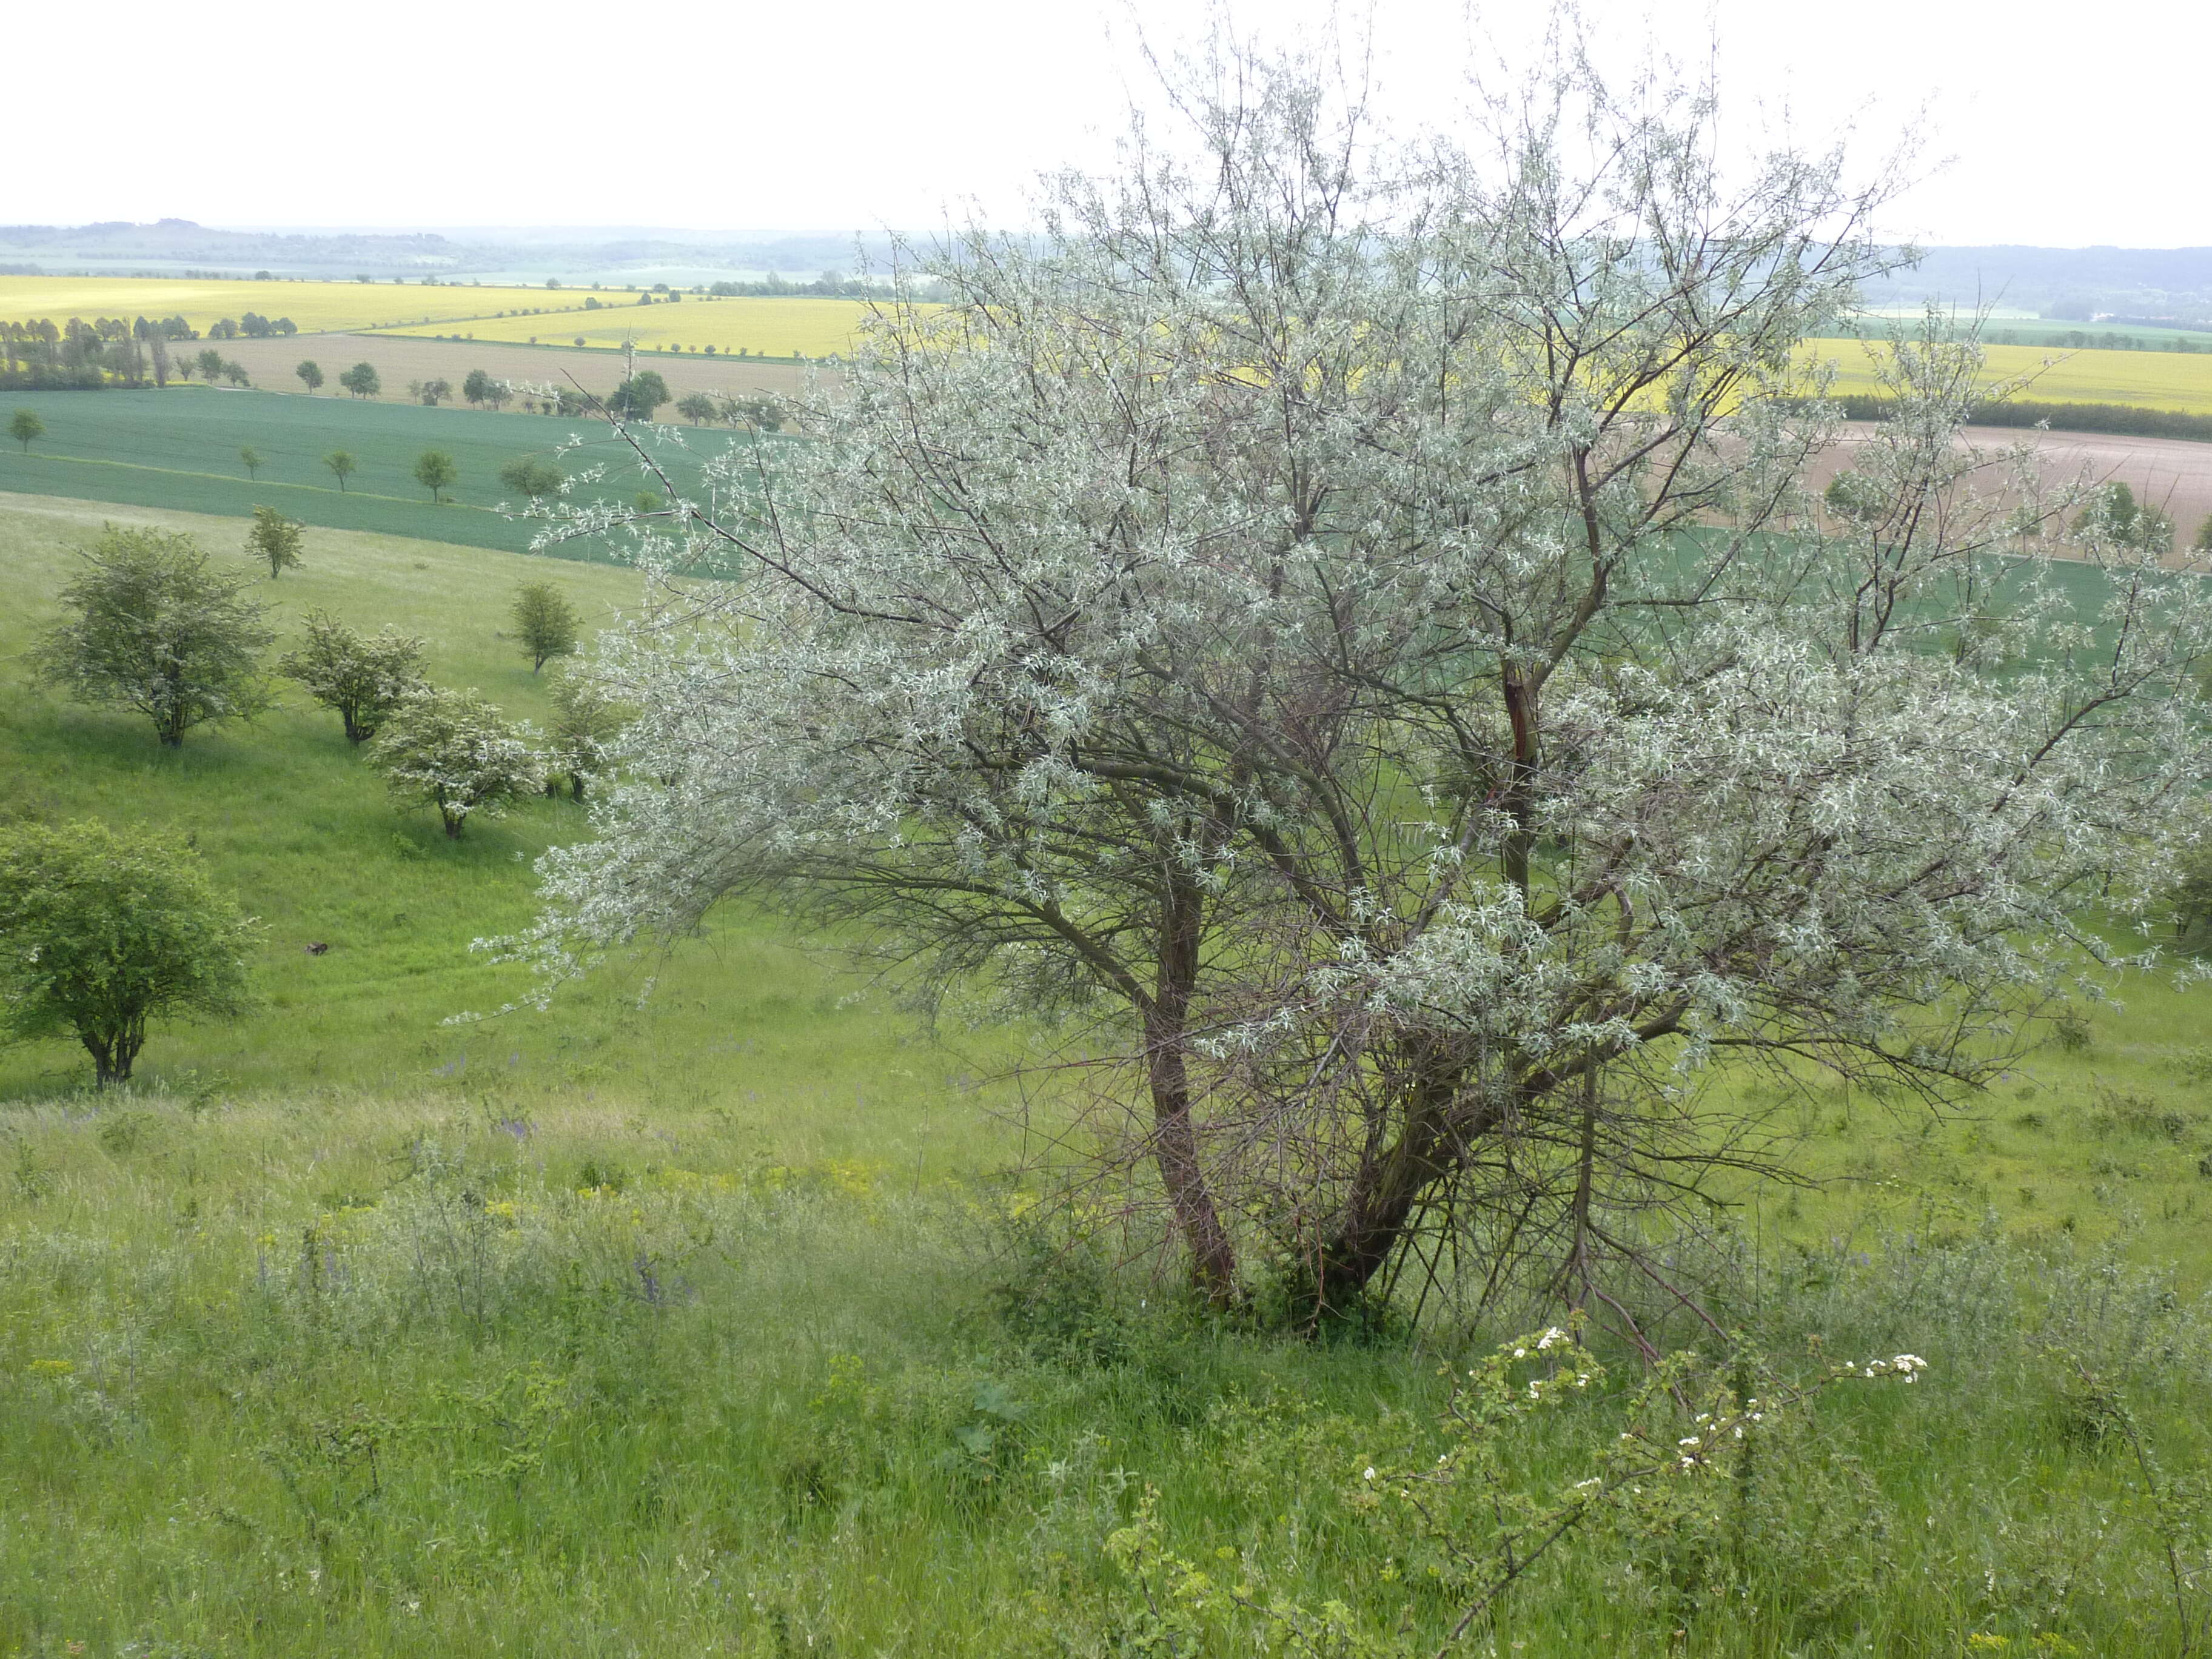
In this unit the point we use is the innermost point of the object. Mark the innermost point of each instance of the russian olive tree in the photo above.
(1348, 628)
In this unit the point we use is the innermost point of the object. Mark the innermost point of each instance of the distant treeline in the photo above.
(82, 356)
(2071, 339)
(2123, 419)
(828, 286)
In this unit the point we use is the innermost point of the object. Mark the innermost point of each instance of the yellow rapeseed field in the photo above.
(770, 327)
(2177, 380)
(315, 306)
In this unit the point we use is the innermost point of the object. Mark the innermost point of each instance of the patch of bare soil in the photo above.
(2172, 474)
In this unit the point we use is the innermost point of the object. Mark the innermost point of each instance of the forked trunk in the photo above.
(114, 1052)
(1386, 1196)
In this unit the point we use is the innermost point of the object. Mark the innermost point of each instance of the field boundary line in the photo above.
(395, 332)
(225, 477)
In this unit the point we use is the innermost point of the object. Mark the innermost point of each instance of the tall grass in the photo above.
(348, 1373)
(712, 1323)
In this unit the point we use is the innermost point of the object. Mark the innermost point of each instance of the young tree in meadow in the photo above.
(25, 426)
(762, 413)
(1349, 629)
(210, 365)
(585, 723)
(436, 472)
(545, 624)
(148, 624)
(453, 751)
(235, 374)
(636, 398)
(2114, 518)
(311, 376)
(697, 407)
(250, 458)
(359, 677)
(340, 463)
(103, 931)
(532, 477)
(275, 539)
(477, 387)
(363, 381)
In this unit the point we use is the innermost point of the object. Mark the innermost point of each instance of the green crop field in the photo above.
(715, 1321)
(180, 448)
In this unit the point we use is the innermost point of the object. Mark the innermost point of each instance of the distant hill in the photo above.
(175, 247)
(2137, 285)
(2172, 285)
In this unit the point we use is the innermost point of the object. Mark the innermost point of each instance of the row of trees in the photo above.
(107, 352)
(435, 470)
(636, 399)
(252, 325)
(150, 623)
(103, 931)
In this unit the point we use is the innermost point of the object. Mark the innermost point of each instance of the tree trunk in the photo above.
(1520, 804)
(1386, 1193)
(1175, 1137)
(114, 1052)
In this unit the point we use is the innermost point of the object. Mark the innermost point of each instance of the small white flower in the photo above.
(1369, 1476)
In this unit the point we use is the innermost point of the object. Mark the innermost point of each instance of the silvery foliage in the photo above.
(1356, 616)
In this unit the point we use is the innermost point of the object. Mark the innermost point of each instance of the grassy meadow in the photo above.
(759, 326)
(712, 1321)
(180, 448)
(317, 307)
(2176, 381)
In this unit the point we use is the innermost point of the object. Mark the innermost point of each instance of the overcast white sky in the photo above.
(2066, 126)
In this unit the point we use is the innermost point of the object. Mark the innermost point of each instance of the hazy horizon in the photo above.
(2057, 137)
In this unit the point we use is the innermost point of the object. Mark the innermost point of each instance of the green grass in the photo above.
(294, 822)
(178, 449)
(669, 1329)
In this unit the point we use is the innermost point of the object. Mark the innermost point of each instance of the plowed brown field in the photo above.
(2170, 473)
(399, 358)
